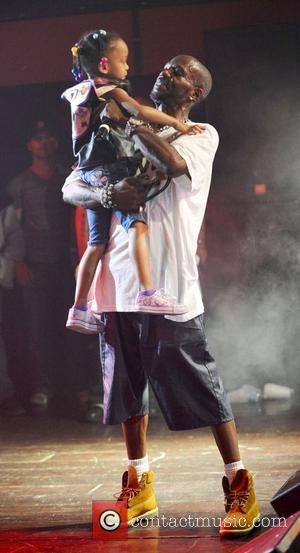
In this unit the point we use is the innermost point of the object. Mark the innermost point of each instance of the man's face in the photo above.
(175, 84)
(42, 145)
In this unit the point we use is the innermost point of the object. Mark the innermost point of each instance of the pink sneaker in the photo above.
(83, 321)
(159, 303)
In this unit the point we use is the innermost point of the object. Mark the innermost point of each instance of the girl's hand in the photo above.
(189, 129)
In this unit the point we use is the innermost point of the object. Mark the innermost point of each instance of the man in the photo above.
(170, 352)
(45, 273)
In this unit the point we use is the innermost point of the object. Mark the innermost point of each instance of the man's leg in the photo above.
(242, 510)
(138, 479)
(126, 398)
(180, 355)
(135, 436)
(37, 321)
(226, 439)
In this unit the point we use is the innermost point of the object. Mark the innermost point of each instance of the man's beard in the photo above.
(162, 91)
(161, 97)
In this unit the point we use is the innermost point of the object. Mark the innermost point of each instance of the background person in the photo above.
(45, 273)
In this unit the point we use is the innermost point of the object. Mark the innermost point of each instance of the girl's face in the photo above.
(117, 59)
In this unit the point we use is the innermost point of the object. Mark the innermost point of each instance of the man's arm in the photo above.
(128, 194)
(159, 152)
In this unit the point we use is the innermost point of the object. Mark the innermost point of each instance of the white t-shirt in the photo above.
(174, 219)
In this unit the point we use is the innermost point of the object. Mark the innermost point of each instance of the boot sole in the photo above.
(240, 531)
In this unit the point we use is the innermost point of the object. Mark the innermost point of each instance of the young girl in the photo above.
(100, 109)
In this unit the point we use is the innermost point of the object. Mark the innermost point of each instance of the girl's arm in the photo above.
(151, 114)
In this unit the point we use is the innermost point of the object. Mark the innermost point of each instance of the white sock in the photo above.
(141, 465)
(231, 469)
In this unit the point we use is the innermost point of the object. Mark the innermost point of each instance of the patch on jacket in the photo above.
(79, 93)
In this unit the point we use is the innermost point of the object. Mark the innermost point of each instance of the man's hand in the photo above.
(130, 193)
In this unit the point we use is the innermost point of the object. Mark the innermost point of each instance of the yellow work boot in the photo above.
(242, 510)
(139, 495)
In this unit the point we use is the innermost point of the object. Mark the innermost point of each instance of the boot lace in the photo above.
(237, 500)
(127, 493)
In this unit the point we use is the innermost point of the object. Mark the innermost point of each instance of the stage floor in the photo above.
(52, 468)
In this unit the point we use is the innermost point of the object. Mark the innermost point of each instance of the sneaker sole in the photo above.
(239, 531)
(159, 310)
(147, 515)
(83, 328)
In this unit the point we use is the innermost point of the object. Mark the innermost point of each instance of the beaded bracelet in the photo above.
(133, 123)
(105, 196)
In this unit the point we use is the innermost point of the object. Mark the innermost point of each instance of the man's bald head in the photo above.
(199, 74)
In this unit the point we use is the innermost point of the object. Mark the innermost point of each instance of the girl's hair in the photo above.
(87, 53)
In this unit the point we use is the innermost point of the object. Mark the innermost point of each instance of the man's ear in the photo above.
(198, 93)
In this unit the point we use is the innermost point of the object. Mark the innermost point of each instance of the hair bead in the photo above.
(104, 61)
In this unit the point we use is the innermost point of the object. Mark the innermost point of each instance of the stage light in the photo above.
(260, 189)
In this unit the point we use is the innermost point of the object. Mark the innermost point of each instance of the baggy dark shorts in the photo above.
(136, 349)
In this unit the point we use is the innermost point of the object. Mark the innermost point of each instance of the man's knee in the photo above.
(138, 419)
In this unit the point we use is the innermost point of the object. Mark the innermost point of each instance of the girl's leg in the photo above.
(98, 225)
(149, 299)
(139, 250)
(86, 272)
